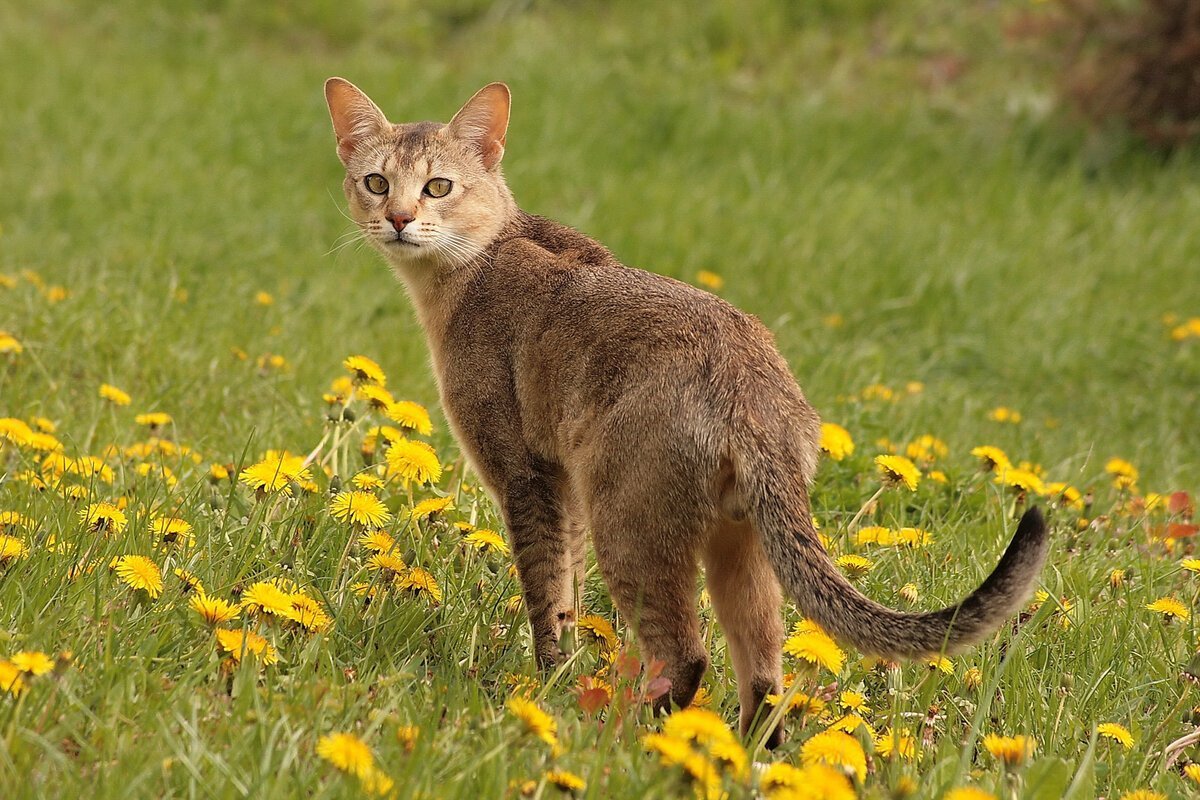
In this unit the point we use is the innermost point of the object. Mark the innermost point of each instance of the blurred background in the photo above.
(996, 200)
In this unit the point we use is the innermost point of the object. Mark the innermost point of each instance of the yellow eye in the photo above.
(376, 183)
(438, 187)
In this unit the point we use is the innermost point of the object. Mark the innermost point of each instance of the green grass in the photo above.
(969, 237)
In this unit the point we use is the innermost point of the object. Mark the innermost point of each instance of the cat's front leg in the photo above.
(534, 515)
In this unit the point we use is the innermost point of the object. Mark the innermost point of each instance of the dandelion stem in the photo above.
(866, 505)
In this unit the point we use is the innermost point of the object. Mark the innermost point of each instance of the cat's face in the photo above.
(429, 196)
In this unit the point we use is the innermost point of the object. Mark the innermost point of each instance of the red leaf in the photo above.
(655, 668)
(657, 688)
(1181, 503)
(592, 700)
(627, 666)
(1181, 530)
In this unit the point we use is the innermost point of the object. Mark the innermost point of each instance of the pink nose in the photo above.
(399, 219)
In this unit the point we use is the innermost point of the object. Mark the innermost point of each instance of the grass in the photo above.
(163, 167)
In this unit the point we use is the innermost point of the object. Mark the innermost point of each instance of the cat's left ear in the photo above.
(483, 121)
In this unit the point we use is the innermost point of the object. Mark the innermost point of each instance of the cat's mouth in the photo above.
(399, 239)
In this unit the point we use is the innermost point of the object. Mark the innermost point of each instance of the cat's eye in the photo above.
(438, 187)
(376, 183)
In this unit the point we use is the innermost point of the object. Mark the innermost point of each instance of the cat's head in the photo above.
(429, 196)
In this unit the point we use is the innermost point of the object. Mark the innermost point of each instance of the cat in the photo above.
(591, 396)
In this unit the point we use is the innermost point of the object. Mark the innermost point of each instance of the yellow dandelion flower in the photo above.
(897, 744)
(1021, 479)
(359, 508)
(1192, 773)
(1012, 750)
(855, 701)
(710, 280)
(190, 582)
(410, 416)
(969, 793)
(213, 610)
(1143, 794)
(941, 664)
(782, 781)
(431, 507)
(909, 593)
(927, 449)
(11, 519)
(235, 643)
(11, 548)
(153, 419)
(800, 703)
(898, 471)
(413, 461)
(407, 736)
(992, 458)
(309, 614)
(1170, 608)
(114, 395)
(9, 344)
(276, 472)
(1116, 732)
(599, 629)
(535, 720)
(139, 573)
(377, 541)
(364, 370)
(836, 441)
(854, 566)
(266, 597)
(877, 391)
(172, 530)
(1004, 414)
(483, 539)
(1124, 473)
(33, 662)
(10, 678)
(263, 298)
(377, 782)
(565, 781)
(699, 725)
(419, 581)
(347, 752)
(1116, 578)
(388, 563)
(366, 481)
(810, 643)
(835, 749)
(376, 396)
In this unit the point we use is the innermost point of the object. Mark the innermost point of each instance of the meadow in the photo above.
(241, 556)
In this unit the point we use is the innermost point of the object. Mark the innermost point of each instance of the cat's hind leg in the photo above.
(544, 556)
(747, 598)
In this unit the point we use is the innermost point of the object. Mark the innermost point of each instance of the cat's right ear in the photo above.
(355, 117)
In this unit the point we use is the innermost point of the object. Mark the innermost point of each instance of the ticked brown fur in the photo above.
(590, 396)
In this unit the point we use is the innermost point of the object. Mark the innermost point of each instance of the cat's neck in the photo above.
(436, 290)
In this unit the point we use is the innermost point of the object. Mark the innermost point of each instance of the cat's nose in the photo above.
(399, 219)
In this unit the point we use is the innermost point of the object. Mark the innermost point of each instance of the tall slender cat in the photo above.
(592, 396)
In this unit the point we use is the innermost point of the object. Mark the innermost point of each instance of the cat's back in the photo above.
(566, 277)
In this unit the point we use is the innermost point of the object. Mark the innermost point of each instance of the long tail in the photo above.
(779, 508)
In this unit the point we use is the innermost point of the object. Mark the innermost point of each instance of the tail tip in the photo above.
(1032, 525)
